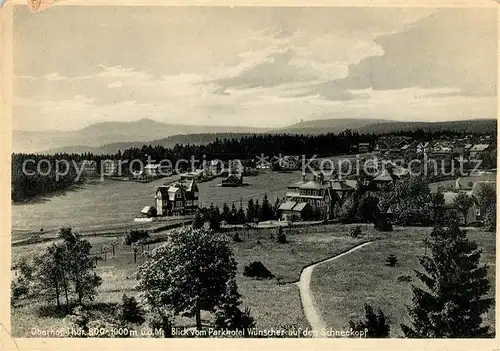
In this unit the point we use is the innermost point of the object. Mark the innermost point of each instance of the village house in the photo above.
(363, 148)
(295, 211)
(88, 168)
(423, 148)
(191, 176)
(462, 183)
(409, 151)
(479, 151)
(177, 199)
(391, 145)
(110, 167)
(317, 193)
(151, 170)
(383, 179)
(233, 180)
(321, 195)
(285, 163)
(449, 204)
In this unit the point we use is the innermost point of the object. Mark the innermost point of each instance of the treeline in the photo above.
(44, 180)
(39, 177)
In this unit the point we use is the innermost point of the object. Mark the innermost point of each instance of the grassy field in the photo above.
(97, 205)
(342, 287)
(273, 303)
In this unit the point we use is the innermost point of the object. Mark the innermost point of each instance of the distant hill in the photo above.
(472, 126)
(334, 125)
(96, 135)
(101, 138)
(169, 142)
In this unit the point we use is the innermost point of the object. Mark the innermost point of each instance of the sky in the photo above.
(242, 66)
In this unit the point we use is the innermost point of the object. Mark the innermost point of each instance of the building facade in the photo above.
(177, 199)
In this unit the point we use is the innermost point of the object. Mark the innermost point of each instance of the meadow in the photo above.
(273, 303)
(342, 287)
(97, 206)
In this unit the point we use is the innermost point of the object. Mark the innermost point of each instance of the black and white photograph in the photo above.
(209, 171)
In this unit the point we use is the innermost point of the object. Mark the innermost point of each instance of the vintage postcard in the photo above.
(254, 176)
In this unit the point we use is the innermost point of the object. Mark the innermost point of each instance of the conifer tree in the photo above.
(240, 216)
(234, 215)
(453, 294)
(226, 213)
(250, 211)
(229, 315)
(198, 220)
(375, 323)
(256, 211)
(266, 211)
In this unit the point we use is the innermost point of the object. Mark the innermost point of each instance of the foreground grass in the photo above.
(342, 287)
(274, 303)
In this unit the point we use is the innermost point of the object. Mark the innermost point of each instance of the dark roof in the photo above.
(287, 205)
(383, 176)
(313, 185)
(297, 184)
(300, 206)
(163, 190)
(341, 186)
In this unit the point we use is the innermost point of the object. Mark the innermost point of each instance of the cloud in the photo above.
(451, 48)
(270, 69)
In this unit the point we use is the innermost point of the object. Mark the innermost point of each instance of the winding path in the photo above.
(308, 303)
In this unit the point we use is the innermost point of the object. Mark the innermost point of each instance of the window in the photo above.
(178, 195)
(179, 203)
(189, 203)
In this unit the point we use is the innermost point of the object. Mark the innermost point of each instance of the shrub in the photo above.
(391, 260)
(404, 279)
(18, 290)
(80, 318)
(236, 238)
(257, 270)
(198, 220)
(289, 331)
(130, 311)
(281, 236)
(382, 224)
(355, 231)
(490, 218)
(135, 236)
(375, 324)
(163, 323)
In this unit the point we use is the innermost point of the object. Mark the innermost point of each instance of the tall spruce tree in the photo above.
(226, 213)
(256, 211)
(234, 215)
(456, 285)
(250, 211)
(375, 324)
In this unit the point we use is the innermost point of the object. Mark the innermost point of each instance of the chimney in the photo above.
(304, 176)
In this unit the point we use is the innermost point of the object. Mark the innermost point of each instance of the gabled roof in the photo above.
(313, 185)
(384, 176)
(146, 209)
(192, 186)
(480, 147)
(287, 206)
(478, 185)
(300, 206)
(163, 190)
(341, 186)
(297, 185)
(449, 198)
